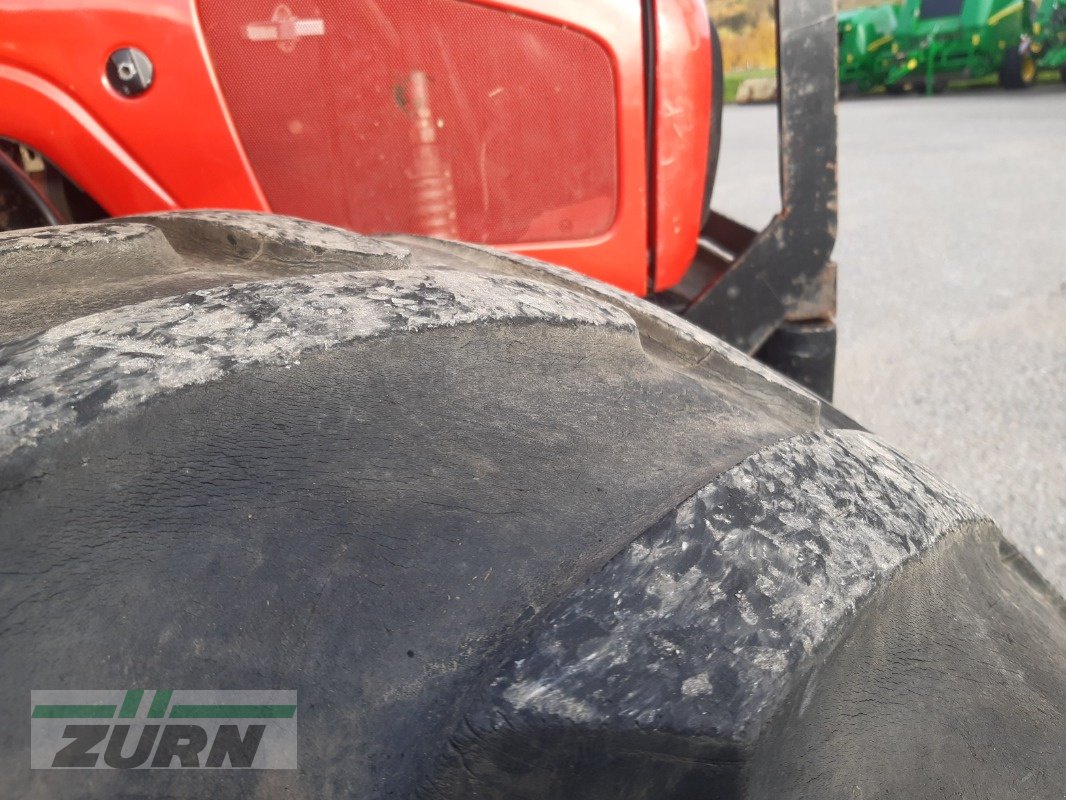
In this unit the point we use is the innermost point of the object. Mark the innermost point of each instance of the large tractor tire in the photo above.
(714, 147)
(508, 533)
(1018, 70)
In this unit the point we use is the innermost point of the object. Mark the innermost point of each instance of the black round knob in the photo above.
(129, 71)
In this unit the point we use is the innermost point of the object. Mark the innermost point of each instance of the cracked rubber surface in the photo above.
(508, 532)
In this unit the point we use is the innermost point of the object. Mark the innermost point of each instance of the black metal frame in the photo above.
(22, 199)
(745, 285)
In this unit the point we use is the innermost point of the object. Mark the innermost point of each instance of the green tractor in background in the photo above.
(941, 40)
(868, 46)
(1048, 36)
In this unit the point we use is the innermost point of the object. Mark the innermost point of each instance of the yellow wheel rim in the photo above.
(1028, 70)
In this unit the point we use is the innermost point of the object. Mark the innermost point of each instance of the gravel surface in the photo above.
(952, 288)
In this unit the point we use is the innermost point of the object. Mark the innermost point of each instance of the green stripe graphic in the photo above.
(159, 703)
(85, 712)
(131, 703)
(232, 712)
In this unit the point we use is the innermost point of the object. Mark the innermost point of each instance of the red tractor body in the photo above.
(530, 125)
(582, 133)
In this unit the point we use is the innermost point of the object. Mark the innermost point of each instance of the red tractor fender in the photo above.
(176, 145)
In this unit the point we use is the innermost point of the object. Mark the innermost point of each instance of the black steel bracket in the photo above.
(747, 284)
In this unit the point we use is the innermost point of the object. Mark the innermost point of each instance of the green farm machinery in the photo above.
(867, 46)
(941, 40)
(1048, 36)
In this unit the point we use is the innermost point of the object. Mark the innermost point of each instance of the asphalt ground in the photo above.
(952, 287)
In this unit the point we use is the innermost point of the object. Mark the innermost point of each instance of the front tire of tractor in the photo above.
(1018, 70)
(896, 89)
(717, 109)
(508, 533)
